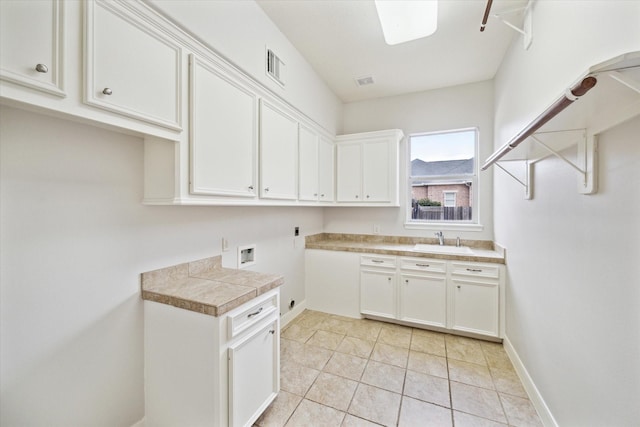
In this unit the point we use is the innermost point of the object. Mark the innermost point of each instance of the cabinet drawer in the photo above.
(423, 264)
(378, 261)
(475, 270)
(248, 317)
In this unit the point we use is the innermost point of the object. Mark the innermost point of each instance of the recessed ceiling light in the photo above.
(403, 21)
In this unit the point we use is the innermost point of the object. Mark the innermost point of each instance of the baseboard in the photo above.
(139, 423)
(291, 314)
(527, 382)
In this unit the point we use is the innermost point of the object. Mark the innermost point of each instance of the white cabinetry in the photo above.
(367, 167)
(131, 67)
(215, 371)
(31, 44)
(475, 298)
(278, 153)
(315, 166)
(448, 295)
(223, 134)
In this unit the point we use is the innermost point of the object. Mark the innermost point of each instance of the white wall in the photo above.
(573, 297)
(241, 31)
(74, 238)
(456, 107)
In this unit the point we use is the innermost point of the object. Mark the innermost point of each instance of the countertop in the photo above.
(205, 286)
(481, 250)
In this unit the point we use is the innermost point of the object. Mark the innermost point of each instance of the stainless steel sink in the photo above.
(442, 249)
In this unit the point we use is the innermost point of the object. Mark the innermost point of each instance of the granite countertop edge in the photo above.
(482, 250)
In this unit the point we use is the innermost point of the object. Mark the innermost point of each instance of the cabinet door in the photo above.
(278, 153)
(349, 172)
(378, 293)
(326, 170)
(376, 171)
(131, 69)
(475, 306)
(309, 162)
(254, 371)
(223, 134)
(423, 299)
(31, 44)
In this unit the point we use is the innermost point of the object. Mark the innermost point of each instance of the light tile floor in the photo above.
(337, 371)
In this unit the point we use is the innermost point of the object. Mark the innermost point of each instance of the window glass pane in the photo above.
(437, 154)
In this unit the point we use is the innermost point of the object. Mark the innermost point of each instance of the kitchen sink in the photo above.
(442, 249)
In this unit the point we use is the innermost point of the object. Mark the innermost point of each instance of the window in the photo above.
(442, 177)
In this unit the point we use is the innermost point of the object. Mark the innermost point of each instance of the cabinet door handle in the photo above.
(107, 91)
(255, 313)
(474, 270)
(272, 331)
(367, 196)
(389, 278)
(41, 68)
(357, 196)
(251, 187)
(377, 261)
(406, 281)
(322, 195)
(458, 286)
(266, 189)
(422, 265)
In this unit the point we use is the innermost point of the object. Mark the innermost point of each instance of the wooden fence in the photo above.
(441, 213)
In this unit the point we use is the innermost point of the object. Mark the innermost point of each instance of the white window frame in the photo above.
(444, 198)
(474, 224)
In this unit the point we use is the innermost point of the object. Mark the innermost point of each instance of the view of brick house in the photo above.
(455, 193)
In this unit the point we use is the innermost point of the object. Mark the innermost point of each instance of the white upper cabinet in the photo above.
(316, 166)
(367, 167)
(131, 67)
(224, 132)
(31, 44)
(278, 153)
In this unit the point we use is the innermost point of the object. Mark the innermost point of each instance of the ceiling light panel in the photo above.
(403, 21)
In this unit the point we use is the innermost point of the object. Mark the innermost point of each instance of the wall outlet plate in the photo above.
(246, 255)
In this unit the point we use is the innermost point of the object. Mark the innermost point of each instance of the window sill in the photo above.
(438, 226)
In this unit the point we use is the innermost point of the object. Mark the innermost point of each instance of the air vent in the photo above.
(275, 67)
(364, 81)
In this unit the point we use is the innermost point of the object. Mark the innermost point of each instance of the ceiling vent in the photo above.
(364, 81)
(275, 67)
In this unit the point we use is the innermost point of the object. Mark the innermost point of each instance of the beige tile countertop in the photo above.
(205, 286)
(479, 250)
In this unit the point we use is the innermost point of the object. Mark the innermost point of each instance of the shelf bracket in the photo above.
(627, 81)
(527, 30)
(528, 180)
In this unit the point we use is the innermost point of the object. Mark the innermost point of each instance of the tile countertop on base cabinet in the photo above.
(211, 343)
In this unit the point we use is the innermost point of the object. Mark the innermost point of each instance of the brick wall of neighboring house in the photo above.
(435, 193)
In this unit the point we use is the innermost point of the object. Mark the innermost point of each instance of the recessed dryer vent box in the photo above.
(246, 256)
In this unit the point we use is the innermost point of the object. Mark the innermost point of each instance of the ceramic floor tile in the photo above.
(428, 364)
(326, 339)
(365, 329)
(461, 419)
(390, 354)
(470, 373)
(384, 376)
(296, 379)
(277, 414)
(477, 401)
(345, 365)
(311, 319)
(520, 412)
(308, 413)
(331, 390)
(356, 347)
(427, 388)
(432, 344)
(499, 360)
(508, 382)
(351, 421)
(464, 349)
(395, 336)
(336, 324)
(417, 413)
(303, 354)
(375, 404)
(298, 333)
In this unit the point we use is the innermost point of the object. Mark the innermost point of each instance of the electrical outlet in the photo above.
(296, 231)
(225, 245)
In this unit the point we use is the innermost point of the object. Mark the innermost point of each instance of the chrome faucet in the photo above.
(440, 238)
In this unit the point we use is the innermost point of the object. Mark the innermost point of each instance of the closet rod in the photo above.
(486, 15)
(563, 102)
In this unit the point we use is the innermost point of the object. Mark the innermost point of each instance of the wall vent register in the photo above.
(275, 67)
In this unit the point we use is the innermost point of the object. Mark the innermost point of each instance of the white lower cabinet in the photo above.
(460, 296)
(202, 370)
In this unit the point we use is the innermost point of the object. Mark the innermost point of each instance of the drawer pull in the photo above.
(107, 91)
(422, 265)
(475, 270)
(255, 313)
(377, 261)
(272, 331)
(41, 68)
